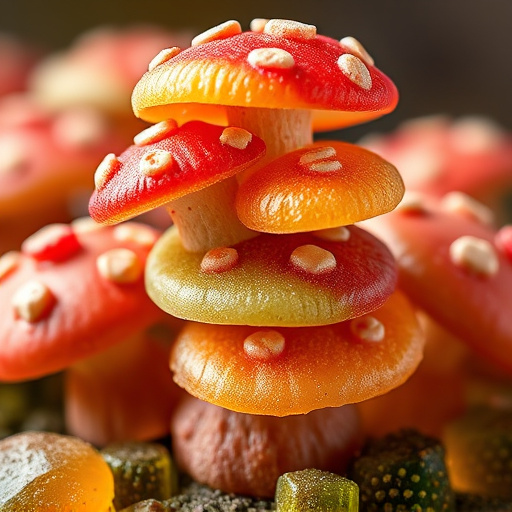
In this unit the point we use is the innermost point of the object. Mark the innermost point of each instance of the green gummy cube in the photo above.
(312, 490)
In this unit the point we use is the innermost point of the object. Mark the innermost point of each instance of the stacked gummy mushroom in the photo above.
(293, 313)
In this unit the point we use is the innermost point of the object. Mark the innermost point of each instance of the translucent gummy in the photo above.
(312, 490)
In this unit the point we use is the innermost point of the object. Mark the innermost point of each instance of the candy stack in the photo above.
(292, 311)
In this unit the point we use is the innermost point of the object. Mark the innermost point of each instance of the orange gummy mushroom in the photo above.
(278, 82)
(45, 471)
(325, 185)
(70, 295)
(245, 454)
(299, 279)
(281, 371)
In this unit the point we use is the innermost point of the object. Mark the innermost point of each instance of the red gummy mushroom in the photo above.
(190, 170)
(438, 154)
(74, 299)
(452, 265)
(45, 164)
(279, 81)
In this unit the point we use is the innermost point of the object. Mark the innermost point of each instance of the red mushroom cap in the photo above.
(166, 163)
(285, 66)
(300, 279)
(71, 293)
(450, 265)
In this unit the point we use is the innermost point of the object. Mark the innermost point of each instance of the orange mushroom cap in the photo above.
(285, 66)
(71, 293)
(283, 371)
(285, 280)
(450, 265)
(325, 185)
(168, 162)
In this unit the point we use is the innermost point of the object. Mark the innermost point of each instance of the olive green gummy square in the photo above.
(312, 490)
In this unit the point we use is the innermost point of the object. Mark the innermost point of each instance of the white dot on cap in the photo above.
(155, 162)
(313, 259)
(339, 234)
(163, 56)
(462, 204)
(264, 345)
(258, 24)
(156, 133)
(235, 137)
(9, 262)
(32, 301)
(107, 168)
(14, 157)
(355, 70)
(475, 255)
(119, 266)
(368, 328)
(270, 58)
(357, 49)
(224, 30)
(317, 154)
(136, 233)
(289, 28)
(219, 259)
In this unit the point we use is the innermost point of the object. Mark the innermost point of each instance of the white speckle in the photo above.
(313, 259)
(354, 69)
(163, 56)
(224, 30)
(120, 266)
(155, 162)
(32, 301)
(219, 259)
(107, 168)
(339, 234)
(156, 133)
(289, 28)
(258, 24)
(264, 345)
(357, 49)
(136, 233)
(462, 204)
(270, 58)
(9, 262)
(236, 137)
(368, 328)
(475, 255)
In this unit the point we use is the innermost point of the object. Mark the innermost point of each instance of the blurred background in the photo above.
(445, 56)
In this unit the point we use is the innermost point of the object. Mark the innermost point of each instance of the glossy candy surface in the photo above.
(281, 371)
(273, 69)
(326, 185)
(168, 163)
(44, 471)
(263, 287)
(312, 490)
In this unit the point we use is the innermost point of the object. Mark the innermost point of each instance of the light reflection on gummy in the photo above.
(312, 490)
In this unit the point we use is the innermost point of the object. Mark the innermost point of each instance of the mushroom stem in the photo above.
(207, 218)
(101, 392)
(283, 130)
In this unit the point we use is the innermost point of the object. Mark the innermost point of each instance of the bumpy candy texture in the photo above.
(311, 490)
(479, 448)
(265, 288)
(44, 471)
(285, 371)
(141, 471)
(200, 80)
(404, 471)
(325, 185)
